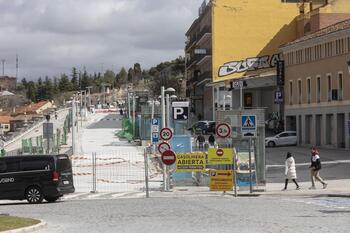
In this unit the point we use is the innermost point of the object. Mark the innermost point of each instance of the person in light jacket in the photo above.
(290, 172)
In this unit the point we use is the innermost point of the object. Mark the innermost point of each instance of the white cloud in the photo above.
(52, 36)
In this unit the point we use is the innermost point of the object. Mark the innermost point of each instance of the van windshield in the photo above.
(63, 164)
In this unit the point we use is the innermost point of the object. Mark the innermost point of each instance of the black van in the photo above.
(35, 177)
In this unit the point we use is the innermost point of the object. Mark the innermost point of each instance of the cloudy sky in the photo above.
(51, 36)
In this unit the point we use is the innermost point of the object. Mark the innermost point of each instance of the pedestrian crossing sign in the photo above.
(248, 123)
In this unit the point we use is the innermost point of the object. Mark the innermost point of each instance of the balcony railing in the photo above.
(204, 31)
(197, 57)
(191, 42)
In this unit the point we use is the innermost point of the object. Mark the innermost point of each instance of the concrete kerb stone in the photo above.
(33, 228)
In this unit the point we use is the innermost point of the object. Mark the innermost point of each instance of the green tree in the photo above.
(64, 84)
(56, 88)
(31, 91)
(85, 80)
(74, 80)
(137, 73)
(123, 77)
(48, 92)
(40, 90)
(131, 75)
(109, 77)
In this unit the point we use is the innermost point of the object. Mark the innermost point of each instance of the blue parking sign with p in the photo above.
(155, 121)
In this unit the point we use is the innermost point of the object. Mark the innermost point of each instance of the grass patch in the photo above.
(10, 223)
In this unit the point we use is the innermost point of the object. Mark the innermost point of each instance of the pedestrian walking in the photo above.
(200, 140)
(290, 172)
(315, 168)
(211, 140)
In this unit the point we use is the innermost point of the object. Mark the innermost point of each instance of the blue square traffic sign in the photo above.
(155, 121)
(248, 123)
(155, 137)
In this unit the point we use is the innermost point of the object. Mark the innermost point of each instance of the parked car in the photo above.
(35, 178)
(285, 138)
(204, 127)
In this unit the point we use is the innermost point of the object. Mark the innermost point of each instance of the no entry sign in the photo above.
(223, 130)
(166, 134)
(168, 157)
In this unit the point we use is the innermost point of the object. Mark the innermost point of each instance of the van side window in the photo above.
(2, 167)
(35, 165)
(12, 166)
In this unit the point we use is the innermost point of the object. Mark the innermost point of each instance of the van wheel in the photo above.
(271, 144)
(51, 199)
(34, 195)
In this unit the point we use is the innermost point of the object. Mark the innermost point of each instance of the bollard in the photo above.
(146, 172)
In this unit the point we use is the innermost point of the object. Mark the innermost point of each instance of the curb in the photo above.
(36, 227)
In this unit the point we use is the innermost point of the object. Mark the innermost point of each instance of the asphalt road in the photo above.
(339, 167)
(110, 121)
(182, 214)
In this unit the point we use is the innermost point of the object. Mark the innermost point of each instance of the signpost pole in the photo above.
(234, 169)
(146, 172)
(162, 90)
(250, 167)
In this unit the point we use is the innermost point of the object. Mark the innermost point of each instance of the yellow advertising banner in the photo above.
(190, 162)
(221, 180)
(220, 156)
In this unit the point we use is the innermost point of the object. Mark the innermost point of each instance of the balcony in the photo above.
(191, 43)
(199, 55)
(204, 34)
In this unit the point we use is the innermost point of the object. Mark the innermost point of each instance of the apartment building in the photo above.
(199, 64)
(317, 86)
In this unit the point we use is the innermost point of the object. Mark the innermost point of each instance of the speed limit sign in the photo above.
(166, 134)
(223, 130)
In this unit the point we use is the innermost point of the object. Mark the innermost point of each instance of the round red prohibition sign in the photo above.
(220, 152)
(168, 157)
(223, 130)
(162, 147)
(166, 134)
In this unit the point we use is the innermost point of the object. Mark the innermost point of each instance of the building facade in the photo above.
(7, 83)
(317, 86)
(199, 64)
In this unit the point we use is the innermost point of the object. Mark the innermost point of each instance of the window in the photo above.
(290, 92)
(329, 79)
(308, 90)
(299, 91)
(340, 86)
(34, 165)
(318, 88)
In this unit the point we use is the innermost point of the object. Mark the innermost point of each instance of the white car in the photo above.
(285, 138)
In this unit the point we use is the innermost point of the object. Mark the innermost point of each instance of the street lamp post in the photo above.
(73, 125)
(166, 122)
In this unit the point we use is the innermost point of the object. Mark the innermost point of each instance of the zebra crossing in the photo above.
(103, 196)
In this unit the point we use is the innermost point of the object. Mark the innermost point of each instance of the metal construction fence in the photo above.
(114, 171)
